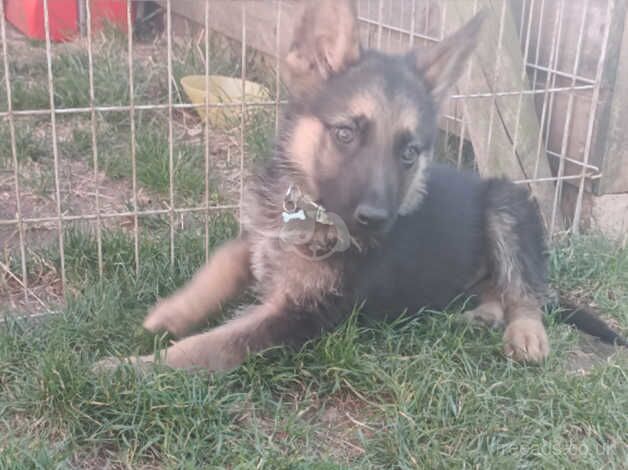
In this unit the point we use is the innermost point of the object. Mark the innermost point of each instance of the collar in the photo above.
(299, 206)
(302, 213)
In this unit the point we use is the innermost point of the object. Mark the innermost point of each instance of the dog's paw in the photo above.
(525, 340)
(488, 317)
(167, 315)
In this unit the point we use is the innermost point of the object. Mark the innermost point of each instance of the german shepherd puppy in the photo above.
(351, 210)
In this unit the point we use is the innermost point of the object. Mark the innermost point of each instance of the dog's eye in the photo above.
(344, 134)
(410, 154)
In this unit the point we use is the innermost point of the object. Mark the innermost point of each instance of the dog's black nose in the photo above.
(372, 218)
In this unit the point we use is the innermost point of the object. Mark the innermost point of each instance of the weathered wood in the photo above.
(493, 131)
(546, 19)
(225, 17)
(610, 147)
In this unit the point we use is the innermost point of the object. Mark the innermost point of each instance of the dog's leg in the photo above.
(524, 337)
(516, 250)
(225, 274)
(489, 312)
(259, 327)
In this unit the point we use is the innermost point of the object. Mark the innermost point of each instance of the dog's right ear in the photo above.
(326, 41)
(441, 65)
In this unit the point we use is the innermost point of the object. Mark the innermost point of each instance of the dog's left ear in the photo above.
(326, 41)
(442, 65)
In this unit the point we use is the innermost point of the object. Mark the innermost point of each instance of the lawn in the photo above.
(426, 391)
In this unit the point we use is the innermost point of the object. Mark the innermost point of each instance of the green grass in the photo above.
(152, 159)
(111, 88)
(70, 66)
(594, 270)
(30, 146)
(33, 152)
(422, 392)
(260, 128)
(152, 153)
(70, 69)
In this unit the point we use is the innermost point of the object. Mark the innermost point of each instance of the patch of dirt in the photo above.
(109, 459)
(224, 153)
(589, 353)
(78, 186)
(336, 421)
(343, 419)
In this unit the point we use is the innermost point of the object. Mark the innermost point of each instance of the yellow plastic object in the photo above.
(222, 90)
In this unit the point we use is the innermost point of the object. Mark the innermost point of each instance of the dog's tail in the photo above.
(587, 321)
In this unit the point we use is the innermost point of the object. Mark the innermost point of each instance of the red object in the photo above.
(110, 11)
(28, 17)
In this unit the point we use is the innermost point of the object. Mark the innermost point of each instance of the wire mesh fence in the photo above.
(125, 150)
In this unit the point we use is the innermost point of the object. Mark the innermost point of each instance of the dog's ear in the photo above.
(326, 41)
(442, 65)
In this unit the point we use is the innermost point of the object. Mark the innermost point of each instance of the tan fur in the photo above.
(416, 189)
(490, 312)
(226, 273)
(340, 49)
(443, 64)
(394, 117)
(304, 144)
(307, 141)
(279, 270)
(215, 350)
(373, 105)
(407, 118)
(501, 229)
(525, 338)
(212, 351)
(322, 45)
(365, 104)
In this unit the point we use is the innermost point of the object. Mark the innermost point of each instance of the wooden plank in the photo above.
(512, 115)
(225, 17)
(611, 138)
(544, 30)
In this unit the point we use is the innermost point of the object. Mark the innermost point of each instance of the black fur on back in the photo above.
(434, 255)
(430, 255)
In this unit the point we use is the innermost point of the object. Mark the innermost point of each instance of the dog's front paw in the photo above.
(525, 340)
(167, 315)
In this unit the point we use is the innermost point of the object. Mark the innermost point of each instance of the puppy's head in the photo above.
(362, 124)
